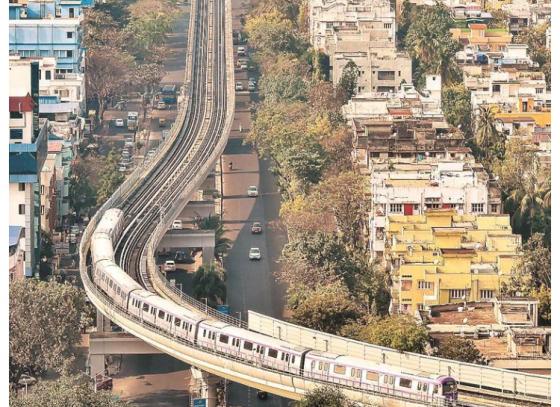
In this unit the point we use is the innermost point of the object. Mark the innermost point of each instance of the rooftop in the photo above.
(15, 234)
(21, 103)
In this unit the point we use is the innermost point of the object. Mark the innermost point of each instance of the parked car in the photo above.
(251, 86)
(241, 51)
(238, 86)
(177, 224)
(169, 265)
(119, 123)
(256, 228)
(242, 64)
(253, 191)
(162, 122)
(122, 168)
(254, 253)
(181, 257)
(161, 105)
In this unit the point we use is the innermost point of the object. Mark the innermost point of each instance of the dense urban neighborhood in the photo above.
(226, 203)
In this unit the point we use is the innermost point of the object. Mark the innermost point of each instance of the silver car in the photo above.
(254, 253)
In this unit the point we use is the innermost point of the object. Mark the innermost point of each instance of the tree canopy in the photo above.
(326, 396)
(348, 83)
(44, 326)
(272, 33)
(462, 350)
(456, 105)
(110, 177)
(208, 282)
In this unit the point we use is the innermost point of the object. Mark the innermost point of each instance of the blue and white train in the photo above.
(252, 347)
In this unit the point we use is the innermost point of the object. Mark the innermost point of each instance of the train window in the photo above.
(326, 367)
(145, 307)
(190, 328)
(320, 365)
(283, 357)
(293, 359)
(385, 379)
(213, 335)
(118, 291)
(352, 372)
(177, 322)
(418, 386)
(238, 342)
(391, 379)
(272, 353)
(153, 311)
(373, 376)
(161, 314)
(424, 387)
(204, 333)
(224, 338)
(247, 345)
(339, 369)
(111, 283)
(262, 350)
(168, 319)
(358, 373)
(405, 383)
(312, 364)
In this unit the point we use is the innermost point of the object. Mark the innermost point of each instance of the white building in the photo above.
(409, 188)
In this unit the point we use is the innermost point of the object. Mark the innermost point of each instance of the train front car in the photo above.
(447, 389)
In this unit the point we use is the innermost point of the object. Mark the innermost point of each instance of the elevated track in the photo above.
(156, 192)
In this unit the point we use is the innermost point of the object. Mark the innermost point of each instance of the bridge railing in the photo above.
(467, 374)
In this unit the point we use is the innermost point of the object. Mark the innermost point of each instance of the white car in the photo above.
(122, 169)
(177, 224)
(254, 253)
(169, 265)
(119, 123)
(253, 191)
(241, 51)
(161, 105)
(238, 86)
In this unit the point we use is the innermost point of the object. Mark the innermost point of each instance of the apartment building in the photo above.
(27, 153)
(443, 257)
(380, 69)
(412, 188)
(327, 18)
(38, 9)
(63, 154)
(480, 36)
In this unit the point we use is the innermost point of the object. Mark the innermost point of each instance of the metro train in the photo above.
(252, 347)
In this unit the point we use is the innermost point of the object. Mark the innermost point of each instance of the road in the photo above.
(250, 284)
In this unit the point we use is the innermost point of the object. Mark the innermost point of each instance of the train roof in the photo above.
(261, 339)
(109, 220)
(172, 308)
(118, 275)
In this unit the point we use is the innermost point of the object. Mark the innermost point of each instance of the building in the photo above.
(17, 252)
(39, 9)
(479, 36)
(412, 188)
(49, 218)
(380, 69)
(327, 18)
(63, 153)
(443, 257)
(27, 153)
(50, 37)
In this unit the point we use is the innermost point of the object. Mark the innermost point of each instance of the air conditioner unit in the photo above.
(58, 12)
(23, 13)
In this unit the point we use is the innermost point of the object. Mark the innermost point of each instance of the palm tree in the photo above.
(208, 282)
(486, 133)
(213, 222)
(528, 203)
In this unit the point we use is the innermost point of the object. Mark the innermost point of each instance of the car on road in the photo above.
(253, 191)
(177, 224)
(238, 86)
(119, 123)
(256, 228)
(162, 122)
(169, 265)
(122, 169)
(242, 64)
(251, 86)
(241, 51)
(161, 105)
(254, 253)
(181, 257)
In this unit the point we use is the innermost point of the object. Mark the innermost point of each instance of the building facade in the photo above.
(442, 257)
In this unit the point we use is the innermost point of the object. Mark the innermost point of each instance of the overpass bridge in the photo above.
(156, 193)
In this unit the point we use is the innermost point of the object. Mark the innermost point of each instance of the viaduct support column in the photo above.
(204, 386)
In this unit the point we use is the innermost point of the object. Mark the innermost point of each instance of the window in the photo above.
(47, 75)
(386, 75)
(21, 209)
(42, 190)
(486, 294)
(145, 307)
(424, 285)
(272, 353)
(458, 294)
(405, 383)
(177, 322)
(69, 34)
(71, 12)
(69, 53)
(42, 209)
(16, 115)
(16, 134)
(64, 93)
(247, 345)
(387, 26)
(494, 208)
(477, 207)
(539, 91)
(339, 369)
(406, 285)
(372, 376)
(496, 88)
(161, 314)
(395, 208)
(224, 338)
(21, 187)
(524, 106)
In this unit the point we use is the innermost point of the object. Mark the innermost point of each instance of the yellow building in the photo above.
(442, 257)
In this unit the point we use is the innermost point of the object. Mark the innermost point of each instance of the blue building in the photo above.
(39, 9)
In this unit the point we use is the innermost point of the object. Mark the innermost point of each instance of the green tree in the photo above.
(400, 332)
(535, 38)
(66, 391)
(213, 222)
(208, 282)
(110, 177)
(456, 104)
(284, 81)
(326, 308)
(543, 294)
(462, 350)
(488, 139)
(82, 194)
(348, 83)
(44, 326)
(272, 33)
(325, 396)
(430, 44)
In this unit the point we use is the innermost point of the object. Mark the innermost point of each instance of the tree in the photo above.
(535, 38)
(102, 30)
(543, 294)
(82, 194)
(110, 177)
(326, 308)
(44, 326)
(348, 83)
(66, 391)
(430, 44)
(532, 270)
(109, 70)
(148, 31)
(213, 222)
(148, 75)
(208, 282)
(456, 104)
(271, 33)
(488, 139)
(283, 81)
(462, 350)
(325, 396)
(400, 332)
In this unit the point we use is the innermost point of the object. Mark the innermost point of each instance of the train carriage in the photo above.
(102, 248)
(111, 224)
